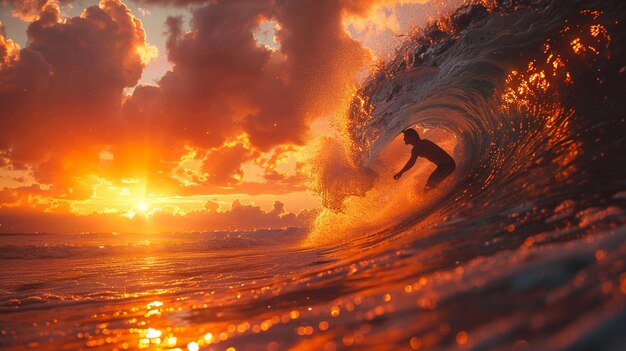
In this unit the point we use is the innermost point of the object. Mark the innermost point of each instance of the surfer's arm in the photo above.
(406, 167)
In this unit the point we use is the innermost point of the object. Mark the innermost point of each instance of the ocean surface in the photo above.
(523, 248)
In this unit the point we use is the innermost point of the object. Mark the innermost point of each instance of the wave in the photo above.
(524, 89)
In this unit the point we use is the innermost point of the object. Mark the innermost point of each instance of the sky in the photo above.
(178, 115)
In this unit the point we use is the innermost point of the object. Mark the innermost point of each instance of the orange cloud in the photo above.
(224, 83)
(8, 49)
(61, 97)
(27, 10)
(67, 122)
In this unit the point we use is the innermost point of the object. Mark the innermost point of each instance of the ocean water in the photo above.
(523, 248)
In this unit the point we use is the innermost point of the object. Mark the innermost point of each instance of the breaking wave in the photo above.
(525, 95)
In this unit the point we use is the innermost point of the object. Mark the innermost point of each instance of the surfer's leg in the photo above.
(441, 173)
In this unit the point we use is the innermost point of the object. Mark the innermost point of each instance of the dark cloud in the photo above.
(318, 67)
(219, 77)
(223, 165)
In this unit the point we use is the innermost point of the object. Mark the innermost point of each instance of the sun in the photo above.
(142, 207)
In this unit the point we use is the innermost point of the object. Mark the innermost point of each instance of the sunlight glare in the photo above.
(142, 207)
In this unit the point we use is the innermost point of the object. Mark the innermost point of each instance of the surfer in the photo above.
(430, 151)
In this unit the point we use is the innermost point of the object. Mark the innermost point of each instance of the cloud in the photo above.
(8, 49)
(315, 77)
(61, 96)
(26, 10)
(223, 165)
(224, 83)
(239, 217)
(64, 105)
(29, 10)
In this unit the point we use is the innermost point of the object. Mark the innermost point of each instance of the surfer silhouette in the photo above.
(430, 151)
